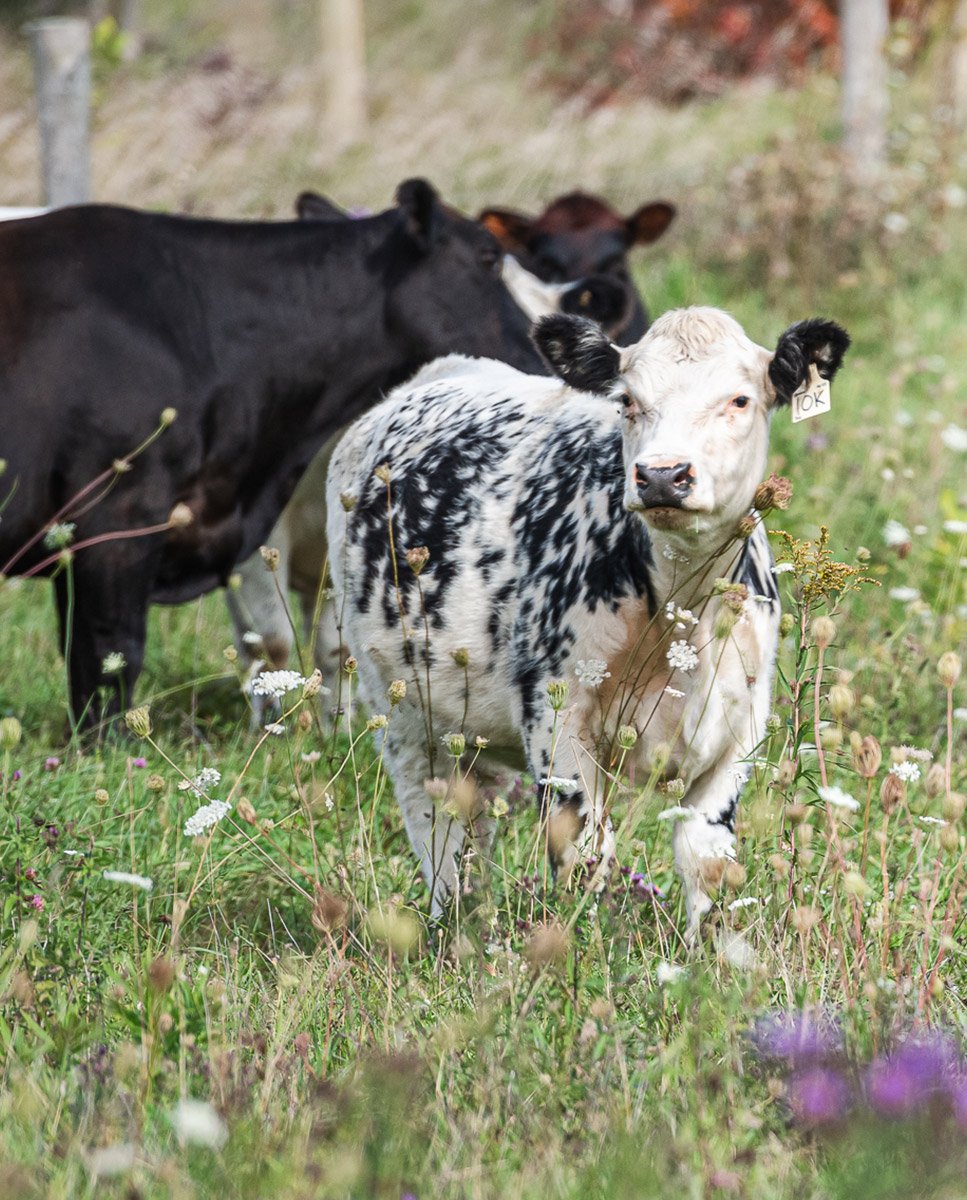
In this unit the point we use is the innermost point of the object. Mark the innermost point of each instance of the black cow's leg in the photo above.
(103, 615)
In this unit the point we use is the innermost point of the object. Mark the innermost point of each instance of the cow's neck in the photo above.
(685, 569)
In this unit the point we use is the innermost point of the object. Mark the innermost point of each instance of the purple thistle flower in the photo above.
(52, 763)
(140, 763)
(906, 1080)
(818, 1096)
(37, 901)
(797, 1037)
(957, 1094)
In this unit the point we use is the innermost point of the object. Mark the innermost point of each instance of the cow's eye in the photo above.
(627, 403)
(739, 401)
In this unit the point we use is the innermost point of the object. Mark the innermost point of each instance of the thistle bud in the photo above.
(774, 492)
(155, 783)
(936, 781)
(396, 692)
(734, 876)
(455, 743)
(416, 558)
(168, 417)
(786, 624)
(557, 693)
(161, 975)
(950, 838)
(867, 757)
(138, 720)
(101, 796)
(786, 772)
(313, 685)
(746, 527)
(773, 723)
(271, 557)
(796, 813)
(953, 807)
(247, 812)
(11, 732)
(350, 665)
(230, 654)
(383, 473)
(627, 737)
(348, 501)
(823, 631)
(841, 701)
(893, 791)
(379, 721)
(948, 668)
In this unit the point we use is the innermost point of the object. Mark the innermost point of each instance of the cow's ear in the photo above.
(420, 205)
(310, 206)
(511, 229)
(814, 341)
(578, 352)
(649, 222)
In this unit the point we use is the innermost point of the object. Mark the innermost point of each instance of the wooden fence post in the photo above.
(343, 69)
(864, 26)
(62, 76)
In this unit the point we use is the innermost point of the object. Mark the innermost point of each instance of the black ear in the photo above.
(814, 341)
(649, 222)
(578, 352)
(420, 205)
(310, 206)
(511, 229)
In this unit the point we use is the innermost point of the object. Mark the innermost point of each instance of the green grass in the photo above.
(374, 1058)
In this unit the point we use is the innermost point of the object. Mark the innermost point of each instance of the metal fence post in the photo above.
(62, 74)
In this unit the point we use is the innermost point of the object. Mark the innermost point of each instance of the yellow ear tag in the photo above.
(812, 398)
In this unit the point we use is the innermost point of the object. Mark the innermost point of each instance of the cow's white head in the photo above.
(697, 396)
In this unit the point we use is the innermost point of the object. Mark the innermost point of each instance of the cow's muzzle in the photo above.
(664, 485)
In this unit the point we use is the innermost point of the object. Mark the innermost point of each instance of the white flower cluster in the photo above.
(113, 663)
(838, 798)
(954, 438)
(207, 816)
(276, 728)
(783, 568)
(277, 683)
(674, 693)
(203, 782)
(138, 881)
(592, 671)
(678, 812)
(895, 534)
(59, 535)
(672, 555)
(915, 753)
(683, 617)
(906, 595)
(681, 656)
(558, 784)
(957, 527)
(909, 772)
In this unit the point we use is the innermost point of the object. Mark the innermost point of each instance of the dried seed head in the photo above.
(460, 656)
(804, 917)
(271, 557)
(823, 630)
(734, 875)
(786, 772)
(138, 720)
(711, 872)
(855, 885)
(230, 654)
(627, 737)
(953, 807)
(161, 975)
(948, 668)
(842, 701)
(893, 791)
(867, 757)
(394, 927)
(247, 812)
(101, 796)
(659, 758)
(831, 737)
(774, 492)
(313, 685)
(466, 803)
(416, 558)
(796, 813)
(396, 692)
(304, 720)
(11, 732)
(377, 721)
(155, 783)
(329, 911)
(936, 781)
(547, 945)
(780, 866)
(383, 473)
(746, 527)
(350, 665)
(347, 500)
(436, 789)
(950, 838)
(735, 596)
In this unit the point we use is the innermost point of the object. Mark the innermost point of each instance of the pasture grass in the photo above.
(549, 1043)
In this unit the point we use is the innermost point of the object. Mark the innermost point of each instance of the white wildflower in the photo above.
(960, 714)
(113, 663)
(276, 728)
(207, 816)
(954, 438)
(932, 821)
(312, 756)
(909, 772)
(677, 812)
(138, 881)
(277, 683)
(559, 784)
(906, 595)
(592, 671)
(683, 617)
(197, 1122)
(59, 535)
(203, 782)
(888, 474)
(681, 656)
(736, 950)
(329, 802)
(902, 418)
(783, 568)
(251, 638)
(915, 753)
(896, 223)
(670, 691)
(838, 798)
(106, 1161)
(672, 555)
(953, 195)
(666, 972)
(743, 902)
(955, 526)
(895, 534)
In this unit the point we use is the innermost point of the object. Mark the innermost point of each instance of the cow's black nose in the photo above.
(664, 486)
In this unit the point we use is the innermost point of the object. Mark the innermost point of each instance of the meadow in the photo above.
(274, 1015)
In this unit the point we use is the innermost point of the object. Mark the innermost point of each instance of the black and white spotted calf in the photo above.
(576, 531)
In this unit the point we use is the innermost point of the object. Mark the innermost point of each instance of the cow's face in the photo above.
(696, 396)
(445, 291)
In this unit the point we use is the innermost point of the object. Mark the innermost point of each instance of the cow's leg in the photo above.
(103, 610)
(702, 840)
(576, 827)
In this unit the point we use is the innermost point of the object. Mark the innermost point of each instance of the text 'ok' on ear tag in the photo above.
(812, 398)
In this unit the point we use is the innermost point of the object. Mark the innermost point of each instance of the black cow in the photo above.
(579, 235)
(265, 338)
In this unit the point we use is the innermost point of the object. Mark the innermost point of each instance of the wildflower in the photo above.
(954, 438)
(481, 743)
(896, 535)
(197, 1122)
(168, 416)
(271, 557)
(774, 492)
(819, 1096)
(674, 692)
(276, 683)
(932, 821)
(396, 692)
(736, 951)
(914, 752)
(417, 557)
(892, 791)
(138, 881)
(682, 617)
(558, 783)
(155, 783)
(681, 656)
(11, 732)
(557, 694)
(948, 668)
(52, 763)
(909, 772)
(838, 798)
(311, 757)
(138, 720)
(348, 501)
(743, 902)
(139, 763)
(382, 473)
(627, 737)
(783, 568)
(113, 663)
(207, 816)
(677, 813)
(823, 631)
(312, 687)
(59, 535)
(666, 972)
(461, 656)
(672, 555)
(905, 595)
(958, 527)
(203, 782)
(500, 807)
(101, 796)
(276, 728)
(455, 743)
(251, 638)
(591, 671)
(37, 901)
(867, 756)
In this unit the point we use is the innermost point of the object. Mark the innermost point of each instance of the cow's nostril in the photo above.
(682, 475)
